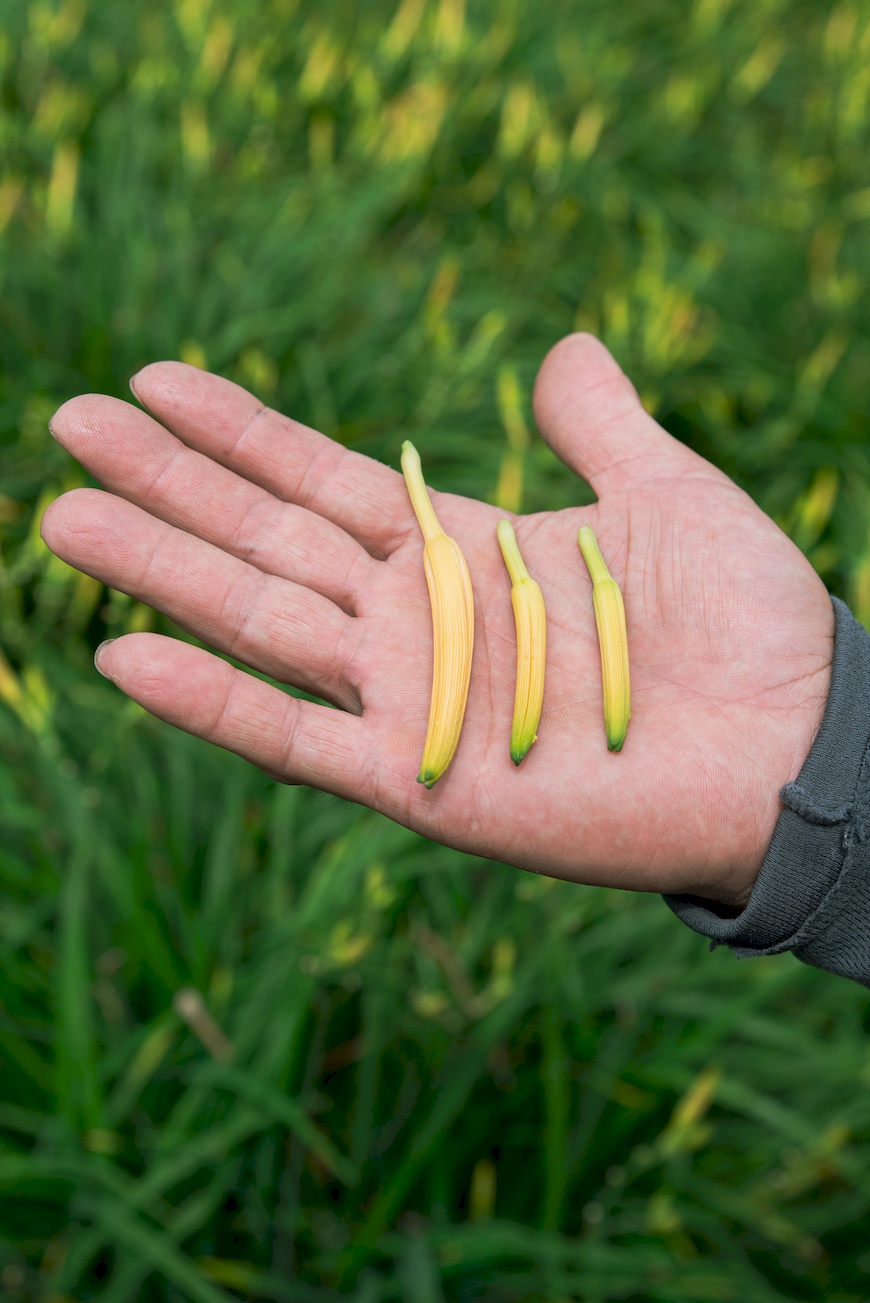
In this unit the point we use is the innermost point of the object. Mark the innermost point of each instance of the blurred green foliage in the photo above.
(260, 1044)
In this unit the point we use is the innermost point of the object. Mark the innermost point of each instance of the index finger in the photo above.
(228, 424)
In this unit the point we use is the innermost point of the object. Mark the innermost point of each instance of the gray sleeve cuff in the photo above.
(812, 895)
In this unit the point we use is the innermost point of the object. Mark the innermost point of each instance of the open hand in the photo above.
(304, 560)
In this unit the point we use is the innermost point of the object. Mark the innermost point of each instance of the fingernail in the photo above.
(132, 383)
(98, 653)
(51, 429)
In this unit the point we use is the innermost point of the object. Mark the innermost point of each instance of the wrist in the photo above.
(791, 738)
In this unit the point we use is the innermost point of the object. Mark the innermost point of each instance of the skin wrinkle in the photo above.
(481, 634)
(701, 694)
(153, 489)
(234, 450)
(155, 564)
(668, 580)
(405, 536)
(757, 700)
(221, 713)
(249, 549)
(248, 726)
(352, 588)
(228, 721)
(290, 728)
(621, 579)
(240, 614)
(348, 665)
(391, 536)
(392, 770)
(379, 792)
(328, 454)
(408, 561)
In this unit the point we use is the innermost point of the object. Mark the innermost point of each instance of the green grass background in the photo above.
(260, 1044)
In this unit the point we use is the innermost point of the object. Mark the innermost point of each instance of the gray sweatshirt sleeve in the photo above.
(812, 895)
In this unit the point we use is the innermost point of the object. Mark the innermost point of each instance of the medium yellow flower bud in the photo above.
(612, 640)
(531, 626)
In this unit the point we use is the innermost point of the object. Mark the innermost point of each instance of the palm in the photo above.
(730, 633)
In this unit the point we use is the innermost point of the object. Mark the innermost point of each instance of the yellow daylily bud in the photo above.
(531, 625)
(452, 603)
(612, 639)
